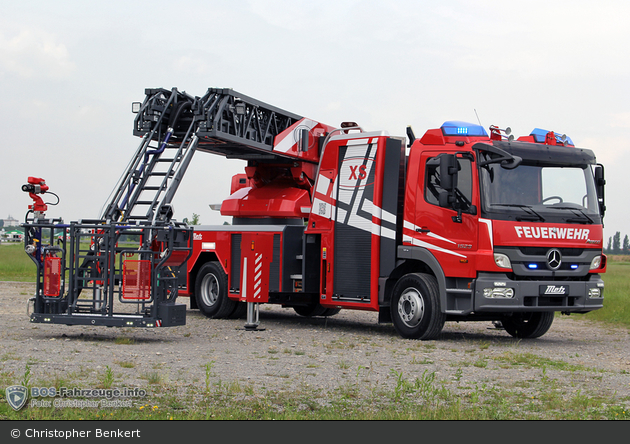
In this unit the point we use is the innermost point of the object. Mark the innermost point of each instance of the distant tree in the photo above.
(193, 221)
(609, 247)
(626, 245)
(617, 243)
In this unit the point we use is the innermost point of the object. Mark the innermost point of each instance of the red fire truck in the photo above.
(459, 225)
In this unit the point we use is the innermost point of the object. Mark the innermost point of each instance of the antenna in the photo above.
(477, 117)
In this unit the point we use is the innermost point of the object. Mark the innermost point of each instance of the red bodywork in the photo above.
(467, 248)
(354, 166)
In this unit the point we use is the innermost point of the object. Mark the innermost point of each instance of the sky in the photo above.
(69, 71)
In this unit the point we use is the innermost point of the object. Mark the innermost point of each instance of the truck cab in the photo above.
(511, 229)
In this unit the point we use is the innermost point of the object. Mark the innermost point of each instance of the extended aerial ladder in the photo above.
(125, 268)
(150, 181)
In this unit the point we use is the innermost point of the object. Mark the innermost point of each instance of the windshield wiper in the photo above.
(582, 216)
(532, 215)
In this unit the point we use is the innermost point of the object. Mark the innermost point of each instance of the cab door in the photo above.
(450, 238)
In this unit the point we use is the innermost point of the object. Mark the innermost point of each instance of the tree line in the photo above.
(615, 246)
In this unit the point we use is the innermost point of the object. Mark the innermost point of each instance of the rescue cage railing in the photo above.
(110, 270)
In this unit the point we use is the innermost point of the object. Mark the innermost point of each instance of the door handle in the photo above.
(423, 230)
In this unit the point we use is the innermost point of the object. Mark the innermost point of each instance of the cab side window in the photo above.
(432, 186)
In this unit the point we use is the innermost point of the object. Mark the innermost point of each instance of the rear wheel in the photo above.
(528, 325)
(415, 307)
(211, 292)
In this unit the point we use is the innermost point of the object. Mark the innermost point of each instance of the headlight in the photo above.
(498, 292)
(596, 262)
(502, 260)
(596, 292)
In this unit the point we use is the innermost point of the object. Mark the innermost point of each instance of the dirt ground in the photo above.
(321, 353)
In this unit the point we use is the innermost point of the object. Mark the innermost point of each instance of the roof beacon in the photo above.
(457, 128)
(551, 138)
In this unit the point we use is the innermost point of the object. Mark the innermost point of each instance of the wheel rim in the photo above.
(209, 290)
(411, 307)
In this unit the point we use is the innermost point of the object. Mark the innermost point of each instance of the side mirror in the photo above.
(448, 179)
(446, 199)
(448, 171)
(599, 187)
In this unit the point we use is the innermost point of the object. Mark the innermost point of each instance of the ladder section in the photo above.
(173, 125)
(146, 189)
(238, 126)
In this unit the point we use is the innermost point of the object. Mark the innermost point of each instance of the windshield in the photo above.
(535, 192)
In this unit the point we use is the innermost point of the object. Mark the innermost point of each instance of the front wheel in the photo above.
(415, 307)
(211, 292)
(528, 325)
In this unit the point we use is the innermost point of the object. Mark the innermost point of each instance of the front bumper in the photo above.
(538, 295)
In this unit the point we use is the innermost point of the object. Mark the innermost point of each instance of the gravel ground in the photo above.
(324, 354)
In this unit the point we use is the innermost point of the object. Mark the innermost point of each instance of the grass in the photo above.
(106, 379)
(15, 264)
(616, 310)
(126, 364)
(424, 397)
(124, 340)
(531, 360)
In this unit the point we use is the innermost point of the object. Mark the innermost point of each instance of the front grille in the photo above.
(532, 261)
(542, 251)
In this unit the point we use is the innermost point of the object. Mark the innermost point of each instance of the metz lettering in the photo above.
(552, 233)
(552, 289)
(353, 172)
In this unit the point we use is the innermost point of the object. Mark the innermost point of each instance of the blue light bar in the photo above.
(457, 128)
(574, 267)
(540, 135)
(532, 266)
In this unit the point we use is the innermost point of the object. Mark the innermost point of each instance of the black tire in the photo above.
(415, 307)
(211, 292)
(239, 311)
(528, 325)
(331, 312)
(315, 310)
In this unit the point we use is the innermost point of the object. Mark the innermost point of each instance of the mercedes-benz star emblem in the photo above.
(554, 259)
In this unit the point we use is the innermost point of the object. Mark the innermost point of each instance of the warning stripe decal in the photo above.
(258, 275)
(412, 239)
